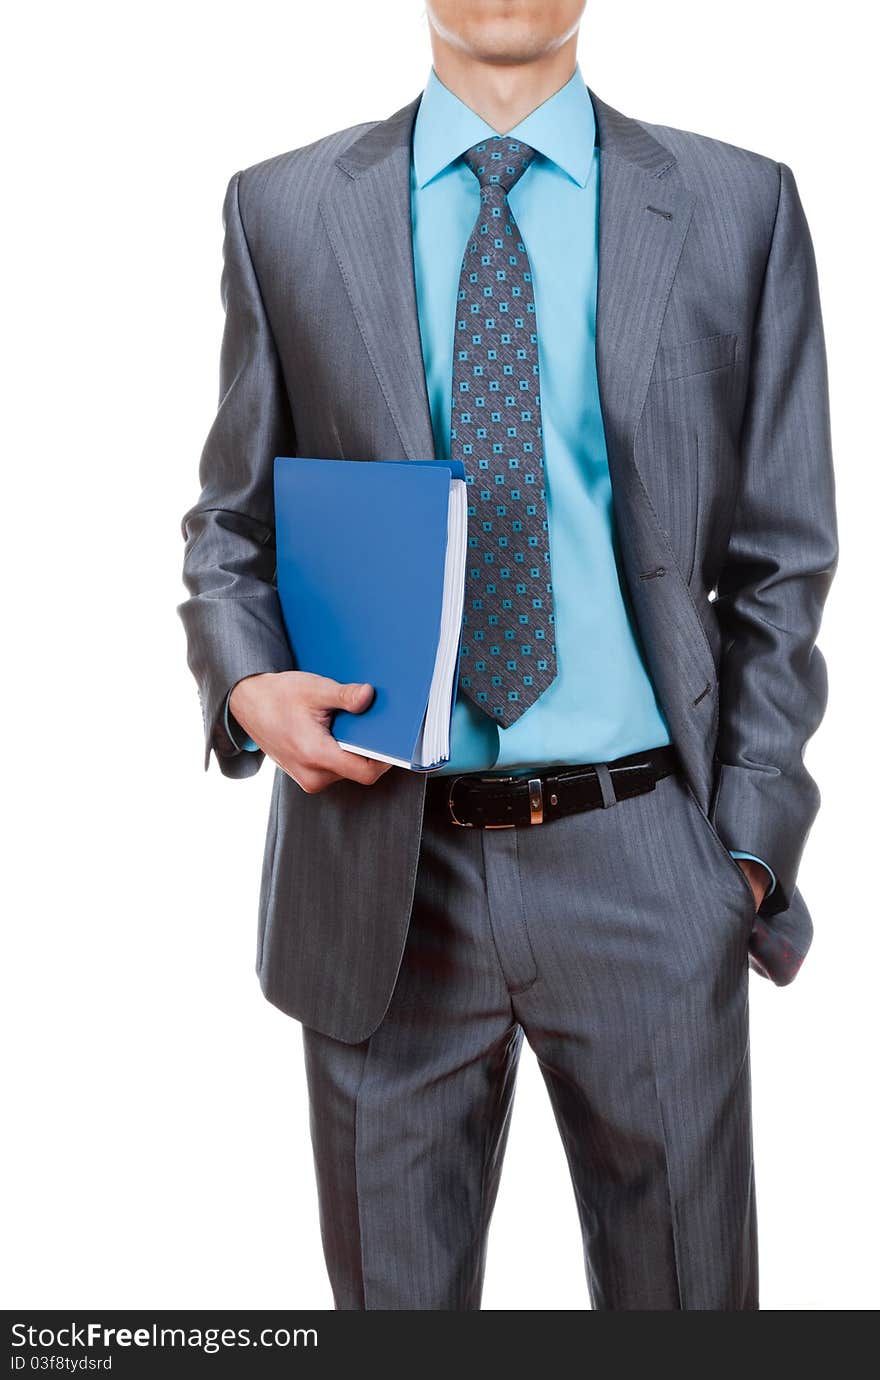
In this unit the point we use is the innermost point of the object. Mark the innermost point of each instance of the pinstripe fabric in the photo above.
(627, 974)
(714, 397)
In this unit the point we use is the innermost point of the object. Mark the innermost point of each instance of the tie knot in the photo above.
(498, 162)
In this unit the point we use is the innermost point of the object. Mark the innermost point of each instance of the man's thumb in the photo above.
(355, 696)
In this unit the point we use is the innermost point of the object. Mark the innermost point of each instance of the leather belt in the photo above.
(539, 796)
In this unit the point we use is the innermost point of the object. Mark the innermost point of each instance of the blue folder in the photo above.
(362, 569)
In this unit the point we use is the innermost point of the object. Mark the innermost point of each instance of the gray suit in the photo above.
(714, 396)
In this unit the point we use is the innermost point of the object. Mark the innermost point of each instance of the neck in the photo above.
(503, 93)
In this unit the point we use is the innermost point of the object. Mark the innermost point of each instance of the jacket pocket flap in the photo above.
(700, 356)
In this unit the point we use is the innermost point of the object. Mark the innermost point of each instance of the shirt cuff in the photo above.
(734, 853)
(240, 740)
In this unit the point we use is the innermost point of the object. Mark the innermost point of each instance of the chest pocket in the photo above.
(703, 356)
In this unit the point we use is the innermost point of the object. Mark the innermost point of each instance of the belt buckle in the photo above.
(536, 802)
(463, 823)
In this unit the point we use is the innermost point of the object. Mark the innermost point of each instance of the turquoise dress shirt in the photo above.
(602, 703)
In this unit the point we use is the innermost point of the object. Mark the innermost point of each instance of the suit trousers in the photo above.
(616, 942)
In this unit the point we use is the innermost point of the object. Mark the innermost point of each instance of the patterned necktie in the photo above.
(508, 652)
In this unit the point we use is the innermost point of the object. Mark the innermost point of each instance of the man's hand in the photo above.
(756, 876)
(288, 715)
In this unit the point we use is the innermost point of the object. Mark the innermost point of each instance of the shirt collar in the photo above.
(562, 128)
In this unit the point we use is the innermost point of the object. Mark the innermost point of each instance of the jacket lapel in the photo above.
(368, 220)
(644, 217)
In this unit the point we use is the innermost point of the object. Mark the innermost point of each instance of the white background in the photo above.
(157, 1150)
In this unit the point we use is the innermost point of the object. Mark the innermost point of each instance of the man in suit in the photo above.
(616, 325)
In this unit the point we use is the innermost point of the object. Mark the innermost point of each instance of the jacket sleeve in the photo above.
(232, 617)
(781, 558)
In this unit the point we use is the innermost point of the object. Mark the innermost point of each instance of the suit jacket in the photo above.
(714, 396)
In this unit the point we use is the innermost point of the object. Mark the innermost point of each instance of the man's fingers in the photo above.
(312, 756)
(318, 756)
(312, 781)
(352, 766)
